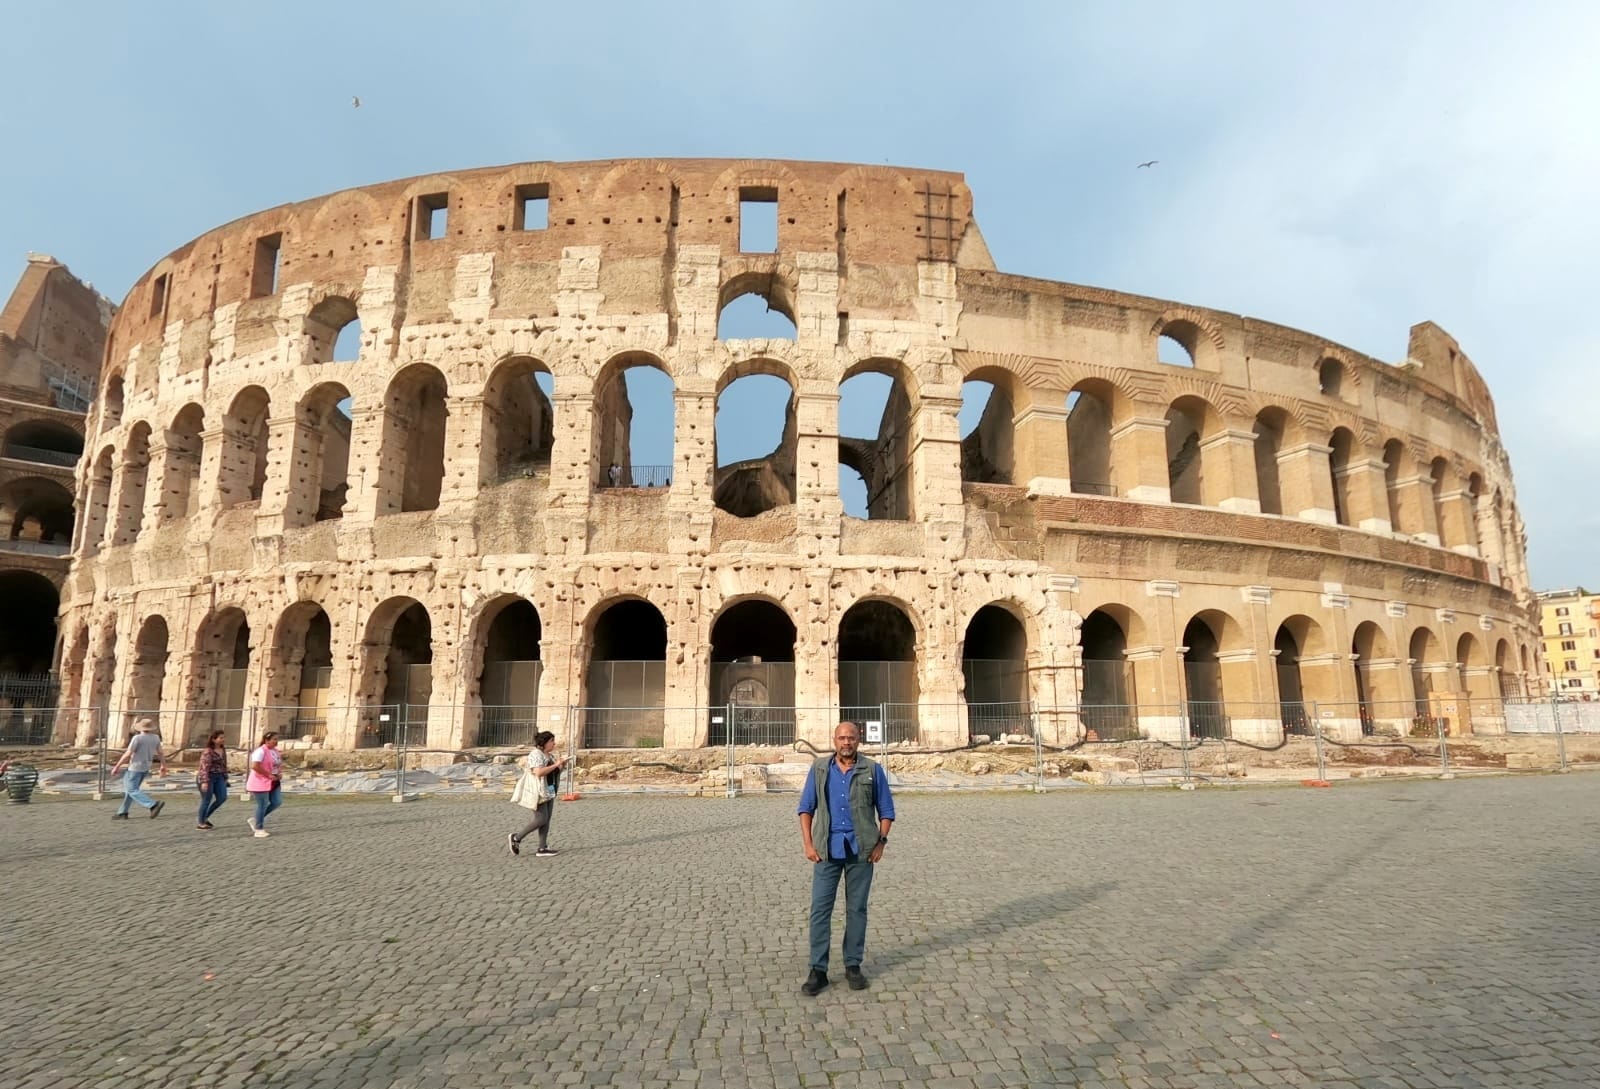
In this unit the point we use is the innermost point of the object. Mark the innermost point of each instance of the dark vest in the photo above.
(862, 810)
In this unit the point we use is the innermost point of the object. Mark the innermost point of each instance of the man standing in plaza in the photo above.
(144, 749)
(845, 813)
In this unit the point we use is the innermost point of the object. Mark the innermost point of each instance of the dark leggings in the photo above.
(540, 824)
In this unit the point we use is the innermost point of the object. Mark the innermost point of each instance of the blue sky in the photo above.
(1347, 169)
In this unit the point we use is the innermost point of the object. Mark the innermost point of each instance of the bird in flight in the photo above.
(1152, 162)
(355, 100)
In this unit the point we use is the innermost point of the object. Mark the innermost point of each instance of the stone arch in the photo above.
(881, 452)
(1330, 377)
(411, 460)
(1190, 330)
(185, 442)
(1271, 431)
(746, 487)
(300, 671)
(396, 672)
(132, 484)
(28, 635)
(102, 671)
(111, 400)
(518, 419)
(625, 682)
(1095, 408)
(1297, 637)
(877, 649)
(242, 466)
(1341, 446)
(1191, 422)
(38, 510)
(775, 288)
(752, 672)
(1510, 686)
(319, 481)
(506, 666)
(1207, 635)
(333, 331)
(151, 651)
(1106, 696)
(614, 462)
(988, 448)
(44, 442)
(1427, 656)
(1394, 452)
(97, 502)
(994, 670)
(219, 676)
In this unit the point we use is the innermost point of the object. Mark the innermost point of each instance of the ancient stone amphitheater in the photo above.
(443, 533)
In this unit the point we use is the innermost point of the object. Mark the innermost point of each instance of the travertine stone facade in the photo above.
(1283, 513)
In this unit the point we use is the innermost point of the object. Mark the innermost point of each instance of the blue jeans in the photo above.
(857, 874)
(131, 781)
(266, 802)
(211, 800)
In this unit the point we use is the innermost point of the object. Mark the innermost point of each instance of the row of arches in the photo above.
(289, 672)
(321, 450)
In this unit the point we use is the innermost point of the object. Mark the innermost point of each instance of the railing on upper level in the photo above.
(37, 548)
(636, 476)
(39, 455)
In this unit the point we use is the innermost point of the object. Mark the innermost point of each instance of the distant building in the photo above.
(52, 340)
(1569, 621)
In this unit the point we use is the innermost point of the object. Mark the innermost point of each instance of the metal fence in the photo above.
(636, 476)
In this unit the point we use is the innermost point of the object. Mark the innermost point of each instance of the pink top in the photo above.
(272, 760)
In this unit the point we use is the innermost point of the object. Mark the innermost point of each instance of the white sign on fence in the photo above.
(874, 732)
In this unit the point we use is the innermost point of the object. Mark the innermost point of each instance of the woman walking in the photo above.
(536, 790)
(265, 783)
(212, 778)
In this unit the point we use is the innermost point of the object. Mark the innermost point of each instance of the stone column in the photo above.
(467, 467)
(285, 462)
(1482, 686)
(936, 461)
(1228, 471)
(816, 665)
(1305, 480)
(817, 504)
(1457, 521)
(1139, 457)
(1391, 695)
(366, 464)
(1157, 666)
(1369, 495)
(1039, 449)
(1414, 497)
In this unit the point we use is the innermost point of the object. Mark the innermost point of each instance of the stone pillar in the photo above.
(1457, 521)
(1157, 666)
(1039, 448)
(1329, 696)
(1228, 471)
(285, 463)
(1390, 694)
(1369, 495)
(1482, 686)
(936, 461)
(687, 696)
(1139, 458)
(816, 661)
(1252, 710)
(1414, 496)
(366, 445)
(1305, 480)
(466, 465)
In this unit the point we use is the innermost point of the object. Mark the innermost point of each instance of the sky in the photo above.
(1347, 169)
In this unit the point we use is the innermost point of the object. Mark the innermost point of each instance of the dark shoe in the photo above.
(853, 976)
(207, 825)
(546, 852)
(511, 842)
(814, 983)
(119, 816)
(155, 810)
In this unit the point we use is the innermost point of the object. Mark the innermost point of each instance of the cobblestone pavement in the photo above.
(1394, 934)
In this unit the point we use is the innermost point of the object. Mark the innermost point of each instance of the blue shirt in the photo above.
(841, 825)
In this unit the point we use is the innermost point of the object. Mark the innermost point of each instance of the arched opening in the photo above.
(1393, 452)
(878, 668)
(43, 442)
(1268, 432)
(1291, 691)
(1509, 686)
(1089, 419)
(180, 482)
(220, 679)
(519, 419)
(757, 441)
(28, 635)
(1341, 443)
(150, 654)
(752, 315)
(319, 485)
(398, 674)
(1178, 343)
(243, 466)
(135, 478)
(1472, 678)
(102, 669)
(1475, 518)
(1330, 378)
(97, 514)
(508, 684)
(994, 672)
(1186, 420)
(334, 330)
(1438, 471)
(626, 685)
(1106, 703)
(411, 464)
(111, 402)
(752, 675)
(875, 443)
(634, 414)
(988, 454)
(1424, 653)
(1375, 689)
(36, 516)
(301, 673)
(1202, 675)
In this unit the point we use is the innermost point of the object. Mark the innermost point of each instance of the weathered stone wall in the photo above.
(1398, 521)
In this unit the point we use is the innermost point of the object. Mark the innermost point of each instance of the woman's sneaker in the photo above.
(262, 833)
(511, 842)
(546, 852)
(251, 821)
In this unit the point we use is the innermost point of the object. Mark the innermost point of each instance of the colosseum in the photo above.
(368, 466)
